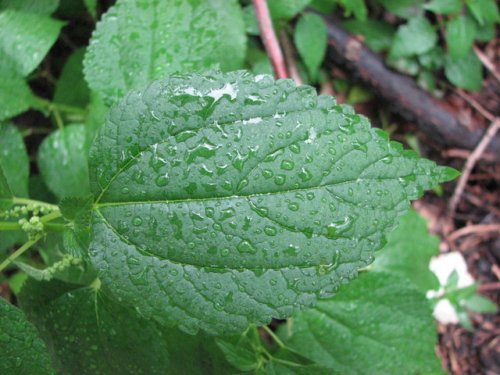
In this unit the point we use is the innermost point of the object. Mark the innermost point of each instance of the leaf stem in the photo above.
(49, 217)
(274, 337)
(26, 201)
(9, 225)
(51, 106)
(16, 254)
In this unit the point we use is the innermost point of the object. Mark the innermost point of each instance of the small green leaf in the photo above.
(25, 39)
(311, 40)
(285, 9)
(232, 199)
(91, 6)
(466, 72)
(14, 159)
(408, 252)
(460, 34)
(71, 88)
(181, 36)
(62, 159)
(416, 37)
(356, 7)
(404, 8)
(93, 334)
(444, 6)
(5, 192)
(242, 350)
(433, 59)
(480, 304)
(22, 351)
(484, 11)
(15, 94)
(376, 325)
(45, 7)
(378, 35)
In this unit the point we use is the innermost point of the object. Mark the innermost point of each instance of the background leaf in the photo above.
(14, 159)
(377, 35)
(181, 36)
(22, 351)
(466, 72)
(415, 37)
(377, 325)
(311, 41)
(286, 8)
(46, 7)
(444, 6)
(15, 94)
(62, 159)
(218, 195)
(71, 88)
(460, 34)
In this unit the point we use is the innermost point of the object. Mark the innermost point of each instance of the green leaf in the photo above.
(486, 32)
(480, 304)
(78, 212)
(62, 159)
(242, 351)
(377, 35)
(377, 325)
(484, 11)
(416, 37)
(22, 351)
(466, 72)
(284, 9)
(228, 199)
(311, 40)
(444, 6)
(46, 7)
(97, 111)
(92, 334)
(15, 94)
(5, 192)
(460, 34)
(71, 88)
(25, 39)
(408, 252)
(14, 159)
(356, 7)
(433, 59)
(91, 6)
(181, 36)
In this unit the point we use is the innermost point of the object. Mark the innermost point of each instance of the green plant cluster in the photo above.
(178, 204)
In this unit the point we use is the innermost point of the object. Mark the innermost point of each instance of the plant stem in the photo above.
(269, 38)
(274, 337)
(8, 225)
(49, 217)
(51, 106)
(26, 201)
(16, 254)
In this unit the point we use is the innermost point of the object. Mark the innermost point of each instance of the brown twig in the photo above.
(289, 52)
(476, 105)
(480, 228)
(465, 154)
(488, 287)
(269, 38)
(471, 162)
(488, 64)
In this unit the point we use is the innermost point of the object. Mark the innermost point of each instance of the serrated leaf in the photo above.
(14, 159)
(136, 42)
(377, 35)
(377, 325)
(460, 34)
(22, 352)
(416, 37)
(78, 212)
(284, 9)
(408, 252)
(25, 39)
(466, 72)
(228, 199)
(311, 41)
(15, 94)
(71, 88)
(444, 6)
(62, 159)
(46, 7)
(88, 333)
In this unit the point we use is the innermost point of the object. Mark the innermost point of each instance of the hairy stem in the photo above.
(16, 254)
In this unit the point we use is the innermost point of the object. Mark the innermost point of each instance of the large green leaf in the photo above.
(460, 34)
(138, 41)
(377, 325)
(31, 6)
(22, 352)
(311, 40)
(228, 199)
(88, 333)
(416, 37)
(15, 94)
(14, 159)
(62, 159)
(466, 72)
(25, 39)
(408, 252)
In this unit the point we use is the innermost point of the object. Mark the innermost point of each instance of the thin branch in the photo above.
(269, 38)
(289, 52)
(487, 63)
(476, 105)
(471, 162)
(471, 229)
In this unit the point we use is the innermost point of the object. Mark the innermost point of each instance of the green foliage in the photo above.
(14, 159)
(181, 37)
(465, 72)
(460, 34)
(45, 7)
(286, 8)
(311, 41)
(71, 88)
(378, 35)
(416, 37)
(23, 352)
